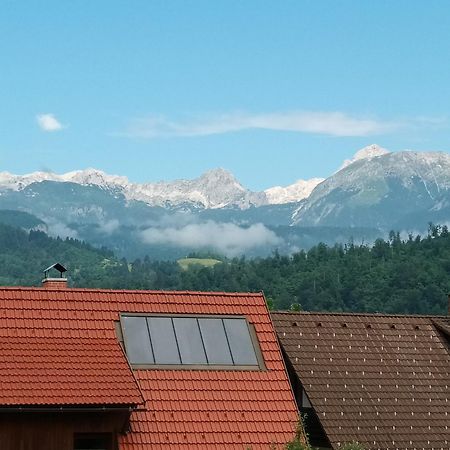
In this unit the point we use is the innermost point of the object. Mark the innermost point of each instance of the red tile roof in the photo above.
(64, 371)
(379, 379)
(184, 409)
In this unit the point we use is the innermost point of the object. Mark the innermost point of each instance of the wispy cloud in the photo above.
(327, 123)
(48, 122)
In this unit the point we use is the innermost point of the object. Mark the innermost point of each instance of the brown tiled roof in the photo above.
(382, 380)
(60, 347)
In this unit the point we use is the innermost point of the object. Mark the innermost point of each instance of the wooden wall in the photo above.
(55, 430)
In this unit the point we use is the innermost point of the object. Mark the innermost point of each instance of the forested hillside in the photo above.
(23, 257)
(396, 276)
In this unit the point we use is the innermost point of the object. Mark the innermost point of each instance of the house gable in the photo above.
(172, 408)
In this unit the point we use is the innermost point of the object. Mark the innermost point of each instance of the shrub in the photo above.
(352, 446)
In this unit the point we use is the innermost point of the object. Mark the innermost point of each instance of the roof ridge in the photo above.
(359, 314)
(133, 291)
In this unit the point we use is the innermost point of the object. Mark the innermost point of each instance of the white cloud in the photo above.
(109, 227)
(48, 122)
(56, 228)
(227, 238)
(328, 123)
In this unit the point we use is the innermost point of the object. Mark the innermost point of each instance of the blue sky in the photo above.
(272, 90)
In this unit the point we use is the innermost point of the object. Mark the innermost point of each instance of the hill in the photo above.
(24, 255)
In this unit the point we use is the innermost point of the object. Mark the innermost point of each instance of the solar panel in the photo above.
(164, 343)
(172, 340)
(189, 340)
(240, 342)
(137, 340)
(215, 339)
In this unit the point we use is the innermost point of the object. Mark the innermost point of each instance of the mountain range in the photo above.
(215, 189)
(368, 195)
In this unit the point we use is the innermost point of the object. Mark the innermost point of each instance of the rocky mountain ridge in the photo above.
(217, 188)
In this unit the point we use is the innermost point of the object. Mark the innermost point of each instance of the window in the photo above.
(91, 441)
(190, 341)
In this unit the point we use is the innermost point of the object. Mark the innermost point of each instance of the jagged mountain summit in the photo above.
(214, 189)
(369, 152)
(295, 192)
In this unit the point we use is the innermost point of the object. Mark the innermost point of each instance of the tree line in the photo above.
(394, 275)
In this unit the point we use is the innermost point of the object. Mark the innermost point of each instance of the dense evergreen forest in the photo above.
(394, 275)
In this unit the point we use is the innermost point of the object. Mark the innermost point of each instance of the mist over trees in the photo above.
(394, 275)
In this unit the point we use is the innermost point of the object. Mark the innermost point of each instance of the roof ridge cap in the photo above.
(359, 314)
(135, 291)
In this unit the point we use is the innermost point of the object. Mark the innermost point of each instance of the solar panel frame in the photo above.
(226, 342)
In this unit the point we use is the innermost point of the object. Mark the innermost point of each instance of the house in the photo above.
(381, 380)
(133, 370)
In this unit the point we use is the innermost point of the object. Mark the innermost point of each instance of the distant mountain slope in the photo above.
(389, 190)
(22, 220)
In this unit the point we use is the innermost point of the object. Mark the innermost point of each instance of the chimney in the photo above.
(55, 283)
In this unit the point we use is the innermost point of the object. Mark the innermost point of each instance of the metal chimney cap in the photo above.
(57, 266)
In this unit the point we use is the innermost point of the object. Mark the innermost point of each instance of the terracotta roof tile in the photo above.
(55, 368)
(73, 332)
(381, 380)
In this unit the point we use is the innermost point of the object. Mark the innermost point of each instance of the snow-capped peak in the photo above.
(293, 193)
(369, 152)
(18, 182)
(95, 177)
(219, 175)
(84, 177)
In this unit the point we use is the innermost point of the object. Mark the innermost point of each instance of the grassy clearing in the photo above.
(206, 262)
